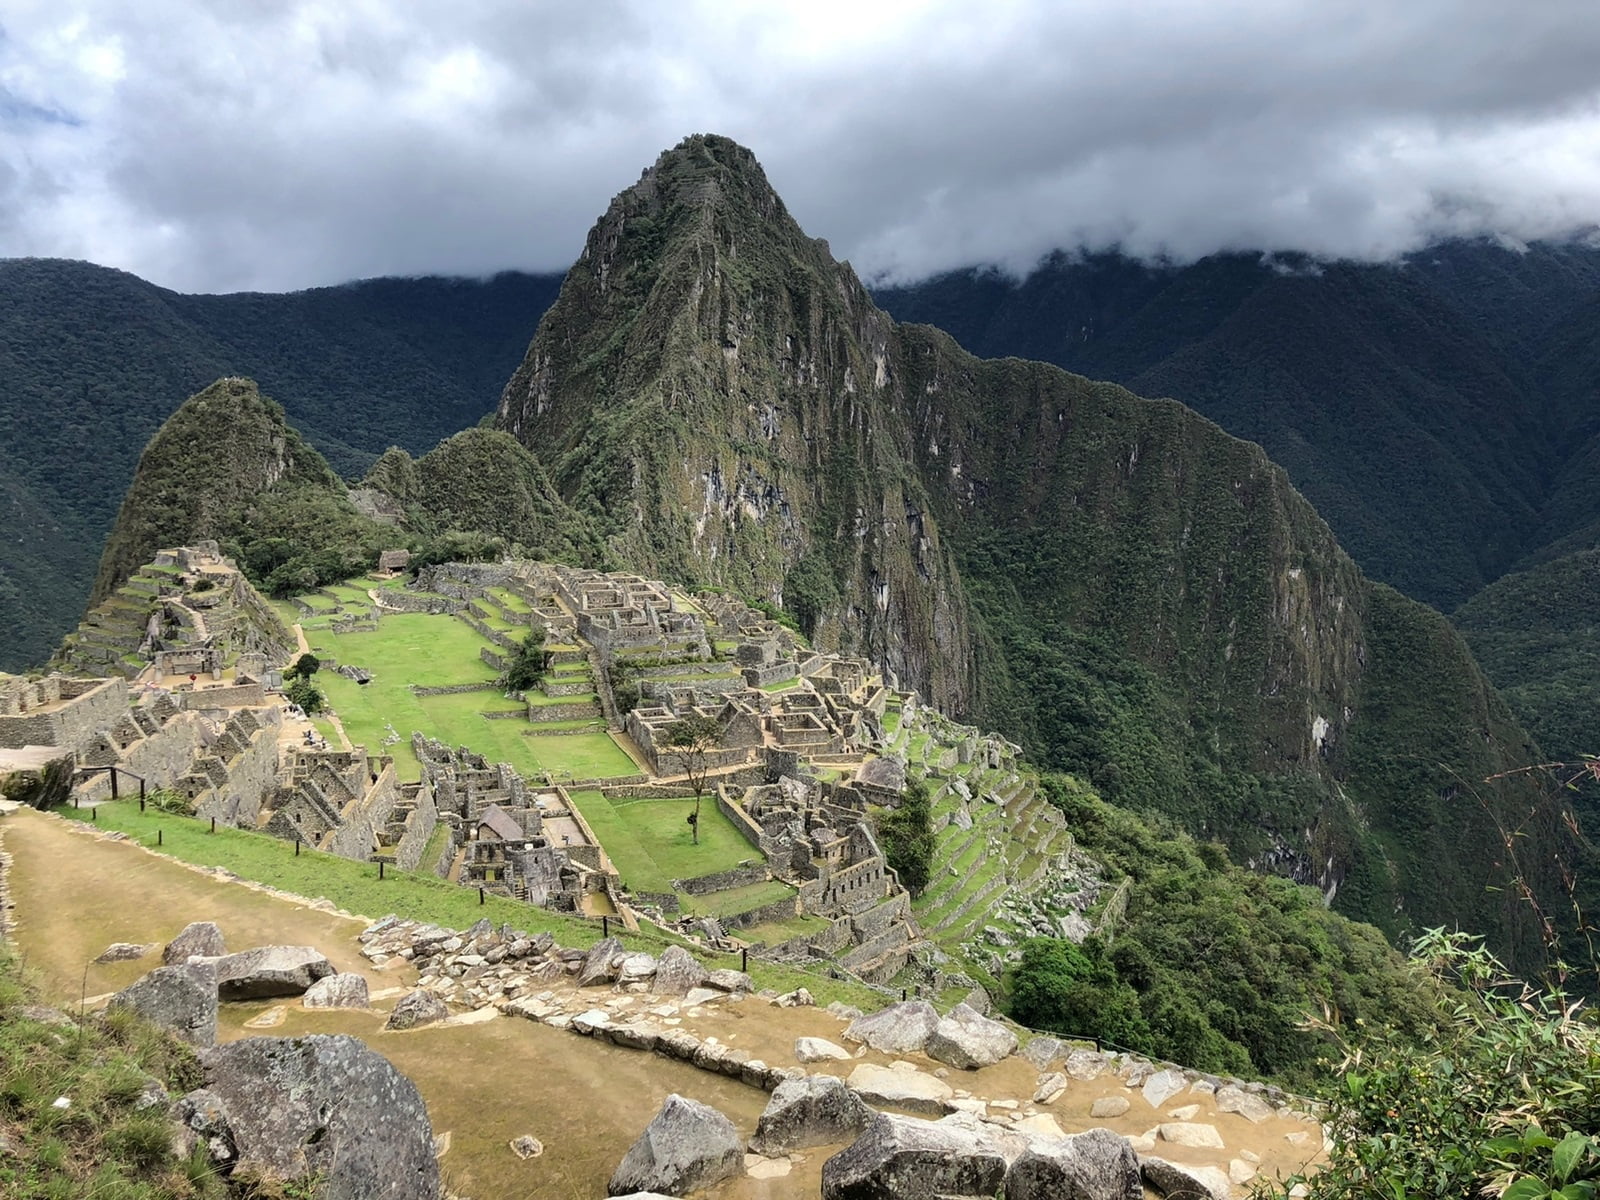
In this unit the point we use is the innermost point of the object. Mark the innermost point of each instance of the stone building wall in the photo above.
(419, 828)
(364, 818)
(252, 775)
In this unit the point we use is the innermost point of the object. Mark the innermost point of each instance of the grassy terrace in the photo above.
(651, 844)
(439, 651)
(737, 900)
(355, 887)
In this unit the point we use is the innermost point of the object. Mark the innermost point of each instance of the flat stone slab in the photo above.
(911, 1090)
(815, 1049)
(1183, 1133)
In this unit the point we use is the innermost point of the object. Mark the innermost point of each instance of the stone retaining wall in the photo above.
(722, 881)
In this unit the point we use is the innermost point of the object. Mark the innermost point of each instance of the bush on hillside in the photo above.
(1500, 1097)
(905, 834)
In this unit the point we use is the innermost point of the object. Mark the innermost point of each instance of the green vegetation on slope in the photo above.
(92, 361)
(227, 465)
(1209, 965)
(1535, 635)
(107, 1143)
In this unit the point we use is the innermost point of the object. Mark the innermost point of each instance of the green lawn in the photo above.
(355, 887)
(440, 651)
(650, 841)
(773, 932)
(737, 900)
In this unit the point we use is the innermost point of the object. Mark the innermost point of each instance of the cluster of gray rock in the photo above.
(183, 995)
(489, 965)
(320, 1107)
(690, 1146)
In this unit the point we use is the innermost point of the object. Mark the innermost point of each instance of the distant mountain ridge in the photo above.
(93, 361)
(1441, 413)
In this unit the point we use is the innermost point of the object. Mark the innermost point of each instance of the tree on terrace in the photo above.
(691, 741)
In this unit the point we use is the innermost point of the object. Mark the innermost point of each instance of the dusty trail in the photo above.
(485, 1082)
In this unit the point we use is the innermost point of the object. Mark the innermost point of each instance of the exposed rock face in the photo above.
(182, 999)
(1162, 1086)
(328, 1107)
(1042, 1051)
(1097, 1165)
(270, 971)
(677, 971)
(416, 1009)
(902, 1158)
(806, 1112)
(773, 432)
(686, 1146)
(201, 938)
(599, 965)
(347, 990)
(969, 1040)
(902, 1028)
(1251, 1107)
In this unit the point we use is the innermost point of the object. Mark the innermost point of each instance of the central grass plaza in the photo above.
(649, 841)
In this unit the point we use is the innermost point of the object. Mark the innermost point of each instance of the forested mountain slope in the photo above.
(92, 361)
(1132, 592)
(1438, 412)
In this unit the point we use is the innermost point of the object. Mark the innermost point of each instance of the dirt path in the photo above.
(75, 892)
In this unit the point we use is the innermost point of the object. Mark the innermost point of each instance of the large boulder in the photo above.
(1097, 1165)
(686, 1146)
(182, 999)
(123, 952)
(416, 1009)
(599, 964)
(902, 1028)
(1043, 1050)
(270, 971)
(677, 972)
(347, 990)
(199, 939)
(325, 1107)
(1163, 1086)
(968, 1040)
(1248, 1105)
(807, 1112)
(636, 968)
(815, 1049)
(904, 1158)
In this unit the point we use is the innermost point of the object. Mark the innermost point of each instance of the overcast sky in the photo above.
(269, 144)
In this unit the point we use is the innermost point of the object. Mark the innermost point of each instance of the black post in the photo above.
(744, 958)
(903, 993)
(481, 898)
(158, 837)
(141, 803)
(75, 802)
(213, 824)
(112, 771)
(141, 795)
(380, 868)
(94, 814)
(605, 926)
(297, 847)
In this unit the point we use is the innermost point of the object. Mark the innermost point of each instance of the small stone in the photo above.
(269, 1019)
(1187, 1113)
(417, 1009)
(814, 1049)
(1107, 1107)
(123, 952)
(1199, 1137)
(526, 1147)
(348, 990)
(1240, 1171)
(1050, 1088)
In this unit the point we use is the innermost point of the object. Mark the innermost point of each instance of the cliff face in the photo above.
(1134, 594)
(716, 390)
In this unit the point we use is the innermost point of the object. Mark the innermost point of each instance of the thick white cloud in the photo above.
(258, 143)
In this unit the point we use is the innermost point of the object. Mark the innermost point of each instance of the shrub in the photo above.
(528, 665)
(307, 695)
(906, 834)
(1501, 1097)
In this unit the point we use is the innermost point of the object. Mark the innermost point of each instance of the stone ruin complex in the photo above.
(188, 612)
(801, 760)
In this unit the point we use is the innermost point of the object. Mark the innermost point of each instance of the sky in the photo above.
(221, 145)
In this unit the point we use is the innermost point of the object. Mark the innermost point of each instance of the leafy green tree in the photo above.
(1075, 990)
(305, 666)
(528, 665)
(691, 742)
(307, 695)
(906, 836)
